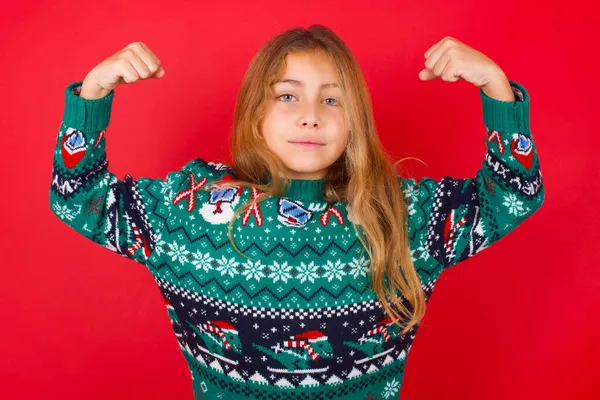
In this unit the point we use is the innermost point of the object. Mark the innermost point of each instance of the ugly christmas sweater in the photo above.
(297, 320)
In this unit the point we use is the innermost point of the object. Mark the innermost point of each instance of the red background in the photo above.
(519, 321)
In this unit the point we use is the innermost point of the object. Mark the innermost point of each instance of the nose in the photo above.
(310, 118)
(307, 122)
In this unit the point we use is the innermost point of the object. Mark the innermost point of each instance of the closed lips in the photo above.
(306, 142)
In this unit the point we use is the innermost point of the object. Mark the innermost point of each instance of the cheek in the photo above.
(340, 146)
(340, 139)
(269, 130)
(273, 124)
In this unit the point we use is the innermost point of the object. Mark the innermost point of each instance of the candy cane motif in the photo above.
(217, 330)
(450, 230)
(304, 345)
(254, 209)
(100, 136)
(380, 329)
(139, 240)
(190, 193)
(331, 210)
(495, 135)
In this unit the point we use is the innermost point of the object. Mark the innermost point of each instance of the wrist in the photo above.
(90, 90)
(87, 115)
(506, 116)
(499, 88)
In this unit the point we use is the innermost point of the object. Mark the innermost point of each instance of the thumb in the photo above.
(426, 74)
(159, 73)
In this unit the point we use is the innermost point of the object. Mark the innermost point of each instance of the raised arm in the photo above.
(121, 215)
(455, 218)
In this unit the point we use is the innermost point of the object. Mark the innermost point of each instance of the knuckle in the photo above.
(128, 52)
(122, 62)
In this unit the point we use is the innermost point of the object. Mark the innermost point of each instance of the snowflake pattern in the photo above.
(360, 266)
(66, 213)
(515, 206)
(334, 270)
(307, 272)
(391, 389)
(357, 267)
(411, 195)
(178, 252)
(253, 269)
(201, 260)
(160, 245)
(228, 266)
(281, 271)
(410, 192)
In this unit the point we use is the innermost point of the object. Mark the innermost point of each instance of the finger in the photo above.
(426, 75)
(156, 59)
(432, 48)
(436, 54)
(444, 41)
(160, 73)
(139, 65)
(127, 71)
(449, 73)
(441, 63)
(149, 63)
(150, 51)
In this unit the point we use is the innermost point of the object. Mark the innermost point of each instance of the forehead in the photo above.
(310, 67)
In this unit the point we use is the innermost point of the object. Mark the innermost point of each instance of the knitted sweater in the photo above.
(296, 320)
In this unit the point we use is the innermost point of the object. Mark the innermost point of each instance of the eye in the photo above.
(329, 98)
(285, 94)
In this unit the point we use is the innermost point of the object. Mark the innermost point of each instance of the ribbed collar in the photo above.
(305, 189)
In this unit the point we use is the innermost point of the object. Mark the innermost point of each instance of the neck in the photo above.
(305, 189)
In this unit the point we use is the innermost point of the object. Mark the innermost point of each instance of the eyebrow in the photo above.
(299, 83)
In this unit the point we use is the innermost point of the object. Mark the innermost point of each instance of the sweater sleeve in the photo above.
(452, 219)
(121, 215)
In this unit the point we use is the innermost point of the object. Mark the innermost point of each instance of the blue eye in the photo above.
(287, 94)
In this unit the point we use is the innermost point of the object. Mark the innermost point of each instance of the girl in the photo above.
(300, 270)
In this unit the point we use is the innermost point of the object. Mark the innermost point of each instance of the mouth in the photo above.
(307, 144)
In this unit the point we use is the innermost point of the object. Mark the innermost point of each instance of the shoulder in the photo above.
(201, 168)
(417, 189)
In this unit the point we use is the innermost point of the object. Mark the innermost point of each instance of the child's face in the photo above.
(306, 112)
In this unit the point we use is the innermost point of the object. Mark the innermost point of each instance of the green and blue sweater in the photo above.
(298, 319)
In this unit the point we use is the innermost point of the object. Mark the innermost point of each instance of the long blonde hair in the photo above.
(363, 176)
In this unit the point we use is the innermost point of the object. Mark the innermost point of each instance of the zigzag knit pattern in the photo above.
(297, 319)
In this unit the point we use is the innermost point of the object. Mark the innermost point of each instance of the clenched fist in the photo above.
(451, 60)
(132, 63)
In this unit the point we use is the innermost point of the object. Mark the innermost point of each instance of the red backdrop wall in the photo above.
(79, 321)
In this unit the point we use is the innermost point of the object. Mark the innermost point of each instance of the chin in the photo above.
(302, 168)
